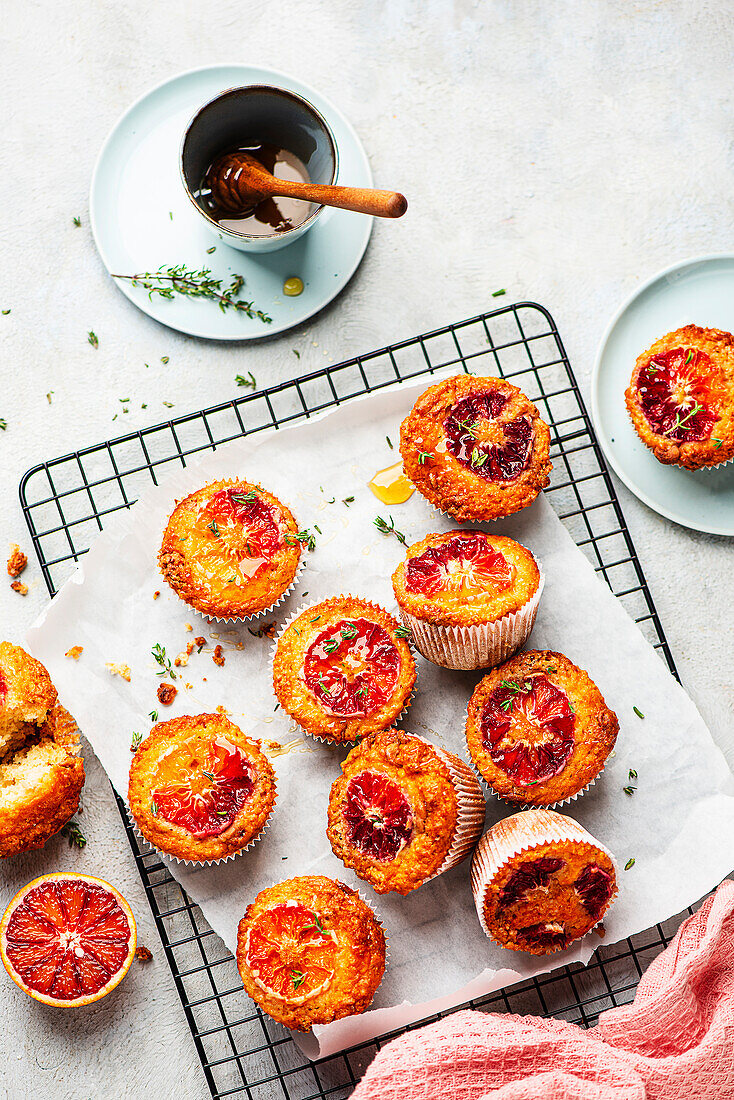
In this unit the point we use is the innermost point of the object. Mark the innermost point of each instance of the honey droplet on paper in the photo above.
(391, 486)
(293, 287)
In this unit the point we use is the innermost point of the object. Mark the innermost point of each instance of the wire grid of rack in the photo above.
(66, 502)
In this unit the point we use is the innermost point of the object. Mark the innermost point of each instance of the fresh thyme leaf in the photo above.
(297, 353)
(208, 775)
(172, 279)
(137, 738)
(244, 498)
(629, 790)
(3, 425)
(349, 632)
(159, 653)
(348, 501)
(389, 442)
(153, 716)
(247, 381)
(681, 420)
(423, 456)
(154, 809)
(478, 458)
(498, 293)
(630, 863)
(389, 529)
(689, 357)
(214, 529)
(92, 339)
(317, 528)
(317, 925)
(6, 312)
(168, 404)
(402, 632)
(165, 359)
(49, 395)
(632, 774)
(77, 222)
(304, 537)
(315, 619)
(469, 427)
(638, 712)
(74, 835)
(210, 250)
(330, 647)
(718, 442)
(298, 978)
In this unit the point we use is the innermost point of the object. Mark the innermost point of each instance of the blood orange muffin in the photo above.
(540, 881)
(310, 951)
(200, 789)
(469, 599)
(403, 811)
(476, 448)
(343, 669)
(681, 397)
(27, 695)
(538, 729)
(40, 783)
(231, 549)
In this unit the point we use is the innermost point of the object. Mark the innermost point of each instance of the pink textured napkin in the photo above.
(674, 1042)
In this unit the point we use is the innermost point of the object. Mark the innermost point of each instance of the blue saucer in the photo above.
(142, 219)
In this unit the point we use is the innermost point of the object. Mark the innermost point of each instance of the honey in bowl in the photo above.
(272, 215)
(391, 486)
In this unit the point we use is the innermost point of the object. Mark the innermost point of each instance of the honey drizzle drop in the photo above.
(391, 486)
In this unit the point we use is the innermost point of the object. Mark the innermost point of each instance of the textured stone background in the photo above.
(563, 151)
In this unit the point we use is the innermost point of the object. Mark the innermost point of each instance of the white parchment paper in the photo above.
(677, 826)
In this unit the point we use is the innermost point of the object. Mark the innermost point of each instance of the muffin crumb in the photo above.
(19, 587)
(75, 652)
(218, 656)
(166, 694)
(119, 670)
(17, 561)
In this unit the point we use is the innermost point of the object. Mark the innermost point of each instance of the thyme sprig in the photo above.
(136, 739)
(159, 653)
(515, 687)
(304, 537)
(389, 529)
(681, 420)
(172, 279)
(74, 835)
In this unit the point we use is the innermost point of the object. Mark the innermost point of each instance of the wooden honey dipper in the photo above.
(238, 182)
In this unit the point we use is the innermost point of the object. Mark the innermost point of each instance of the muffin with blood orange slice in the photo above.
(540, 881)
(681, 397)
(403, 811)
(469, 599)
(538, 729)
(310, 951)
(476, 448)
(231, 550)
(200, 789)
(343, 668)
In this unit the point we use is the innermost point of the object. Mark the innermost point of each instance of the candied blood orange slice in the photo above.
(679, 393)
(203, 787)
(352, 667)
(241, 526)
(528, 729)
(594, 887)
(377, 815)
(467, 564)
(67, 939)
(491, 448)
(290, 953)
(528, 875)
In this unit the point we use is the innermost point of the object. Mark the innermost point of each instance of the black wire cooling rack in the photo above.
(66, 501)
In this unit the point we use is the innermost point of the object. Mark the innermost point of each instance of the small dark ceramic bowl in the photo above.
(258, 113)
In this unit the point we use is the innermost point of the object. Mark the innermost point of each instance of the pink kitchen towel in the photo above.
(675, 1041)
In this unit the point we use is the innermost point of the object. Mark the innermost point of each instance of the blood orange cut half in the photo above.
(528, 729)
(494, 449)
(290, 953)
(352, 667)
(242, 526)
(377, 815)
(466, 563)
(67, 939)
(531, 874)
(205, 786)
(679, 393)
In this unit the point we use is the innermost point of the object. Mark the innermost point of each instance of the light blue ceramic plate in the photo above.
(141, 217)
(698, 291)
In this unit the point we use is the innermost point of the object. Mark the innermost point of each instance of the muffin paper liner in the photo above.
(234, 619)
(518, 835)
(472, 809)
(483, 646)
(517, 806)
(316, 736)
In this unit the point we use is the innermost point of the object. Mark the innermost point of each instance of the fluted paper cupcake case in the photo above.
(509, 838)
(328, 740)
(471, 808)
(517, 806)
(485, 645)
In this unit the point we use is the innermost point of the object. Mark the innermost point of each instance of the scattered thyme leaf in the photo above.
(718, 442)
(389, 529)
(629, 790)
(389, 442)
(6, 312)
(330, 647)
(74, 835)
(136, 739)
(632, 774)
(168, 404)
(159, 653)
(681, 420)
(153, 716)
(638, 712)
(210, 250)
(154, 809)
(172, 279)
(498, 293)
(3, 425)
(297, 353)
(214, 528)
(689, 357)
(298, 978)
(165, 359)
(92, 339)
(402, 632)
(77, 222)
(478, 458)
(304, 537)
(49, 395)
(348, 501)
(630, 863)
(248, 381)
(423, 456)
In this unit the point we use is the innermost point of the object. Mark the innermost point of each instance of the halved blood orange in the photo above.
(466, 562)
(67, 939)
(679, 391)
(290, 952)
(242, 526)
(528, 729)
(494, 449)
(377, 815)
(205, 786)
(352, 667)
